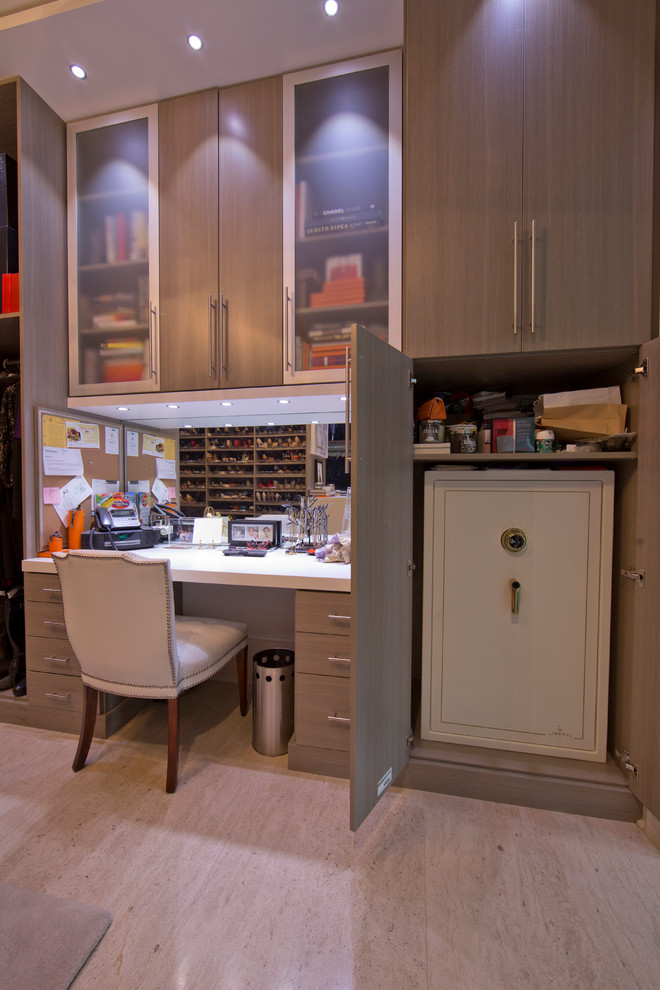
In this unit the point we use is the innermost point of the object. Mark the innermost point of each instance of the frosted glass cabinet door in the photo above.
(342, 212)
(516, 612)
(113, 253)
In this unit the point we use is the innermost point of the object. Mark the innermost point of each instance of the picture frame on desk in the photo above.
(245, 531)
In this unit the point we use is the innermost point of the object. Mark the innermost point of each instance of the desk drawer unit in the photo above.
(54, 685)
(60, 692)
(45, 619)
(323, 612)
(322, 711)
(328, 655)
(42, 588)
(321, 739)
(51, 655)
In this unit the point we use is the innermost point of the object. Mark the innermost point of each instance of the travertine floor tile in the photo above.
(248, 878)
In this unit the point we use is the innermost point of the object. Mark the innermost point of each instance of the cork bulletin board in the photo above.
(69, 447)
(79, 456)
(151, 456)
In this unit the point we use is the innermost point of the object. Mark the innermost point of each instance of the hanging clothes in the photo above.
(11, 523)
(11, 533)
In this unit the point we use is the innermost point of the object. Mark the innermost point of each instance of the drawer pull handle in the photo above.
(344, 618)
(56, 591)
(56, 694)
(53, 622)
(339, 659)
(58, 659)
(340, 719)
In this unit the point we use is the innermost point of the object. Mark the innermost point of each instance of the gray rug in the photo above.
(45, 941)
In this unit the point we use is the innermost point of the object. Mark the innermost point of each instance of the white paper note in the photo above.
(60, 460)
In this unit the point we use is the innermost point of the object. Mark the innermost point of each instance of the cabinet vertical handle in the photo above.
(533, 323)
(515, 276)
(212, 308)
(153, 330)
(347, 431)
(222, 311)
(287, 342)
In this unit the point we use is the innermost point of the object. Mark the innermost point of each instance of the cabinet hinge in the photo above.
(641, 371)
(412, 380)
(411, 567)
(637, 576)
(626, 762)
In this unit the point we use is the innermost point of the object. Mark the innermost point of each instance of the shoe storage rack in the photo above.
(242, 470)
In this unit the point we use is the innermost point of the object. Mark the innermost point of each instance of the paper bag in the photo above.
(581, 422)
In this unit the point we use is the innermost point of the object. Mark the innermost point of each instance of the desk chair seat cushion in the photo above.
(119, 615)
(204, 646)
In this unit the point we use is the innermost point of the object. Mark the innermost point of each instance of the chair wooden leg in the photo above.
(90, 704)
(172, 744)
(241, 667)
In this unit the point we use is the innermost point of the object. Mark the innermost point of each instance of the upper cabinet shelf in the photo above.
(342, 211)
(113, 253)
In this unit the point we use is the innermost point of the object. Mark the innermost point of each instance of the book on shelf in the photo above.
(301, 207)
(115, 321)
(10, 292)
(110, 239)
(343, 211)
(339, 227)
(326, 361)
(121, 347)
(339, 220)
(138, 236)
(122, 249)
(338, 297)
(343, 266)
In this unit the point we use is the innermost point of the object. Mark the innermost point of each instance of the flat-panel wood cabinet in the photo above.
(250, 306)
(528, 163)
(188, 194)
(220, 165)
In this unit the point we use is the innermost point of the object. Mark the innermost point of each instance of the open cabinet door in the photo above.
(645, 681)
(381, 450)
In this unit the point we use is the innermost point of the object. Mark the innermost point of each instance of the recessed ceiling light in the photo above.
(195, 42)
(331, 7)
(284, 402)
(229, 424)
(315, 422)
(78, 71)
(171, 405)
(226, 403)
(270, 424)
(342, 398)
(187, 426)
(122, 408)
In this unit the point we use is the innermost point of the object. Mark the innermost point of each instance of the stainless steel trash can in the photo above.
(272, 701)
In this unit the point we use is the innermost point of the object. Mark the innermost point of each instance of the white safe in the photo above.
(517, 583)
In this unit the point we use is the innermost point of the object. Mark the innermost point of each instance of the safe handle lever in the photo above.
(515, 598)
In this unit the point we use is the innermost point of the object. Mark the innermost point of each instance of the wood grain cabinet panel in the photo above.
(320, 704)
(52, 656)
(328, 655)
(220, 197)
(188, 194)
(250, 134)
(323, 612)
(529, 153)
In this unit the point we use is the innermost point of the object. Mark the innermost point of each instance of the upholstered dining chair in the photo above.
(119, 616)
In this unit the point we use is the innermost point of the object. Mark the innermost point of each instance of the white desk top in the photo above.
(276, 570)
